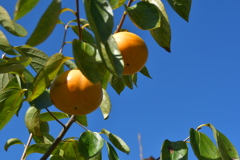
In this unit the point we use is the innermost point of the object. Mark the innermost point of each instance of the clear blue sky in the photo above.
(198, 82)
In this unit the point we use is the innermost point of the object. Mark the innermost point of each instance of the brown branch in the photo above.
(78, 21)
(55, 117)
(59, 138)
(26, 146)
(123, 17)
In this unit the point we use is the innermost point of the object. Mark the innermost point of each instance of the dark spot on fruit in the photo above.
(75, 108)
(128, 64)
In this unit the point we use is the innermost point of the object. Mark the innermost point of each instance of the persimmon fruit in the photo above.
(72, 93)
(133, 50)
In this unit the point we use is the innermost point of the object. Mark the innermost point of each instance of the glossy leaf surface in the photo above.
(82, 119)
(111, 56)
(112, 154)
(105, 106)
(46, 24)
(11, 142)
(32, 121)
(11, 26)
(181, 7)
(116, 3)
(117, 84)
(145, 72)
(174, 150)
(88, 61)
(117, 141)
(203, 146)
(100, 17)
(89, 144)
(162, 34)
(46, 75)
(23, 7)
(46, 116)
(40, 148)
(225, 147)
(144, 15)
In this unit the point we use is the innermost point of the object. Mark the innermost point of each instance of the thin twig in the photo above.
(64, 37)
(55, 117)
(140, 146)
(59, 138)
(123, 17)
(78, 21)
(26, 146)
(82, 126)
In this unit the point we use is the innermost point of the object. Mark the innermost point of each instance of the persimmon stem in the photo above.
(26, 146)
(59, 138)
(78, 21)
(55, 118)
(123, 17)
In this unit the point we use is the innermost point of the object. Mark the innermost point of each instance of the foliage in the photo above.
(96, 54)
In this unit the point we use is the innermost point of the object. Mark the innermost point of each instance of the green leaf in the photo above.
(174, 150)
(40, 148)
(5, 46)
(203, 147)
(43, 100)
(88, 61)
(23, 7)
(70, 64)
(46, 24)
(135, 77)
(144, 15)
(162, 34)
(86, 36)
(39, 58)
(128, 81)
(5, 79)
(98, 156)
(89, 144)
(10, 101)
(112, 154)
(145, 72)
(105, 80)
(181, 7)
(117, 141)
(82, 119)
(27, 76)
(111, 56)
(116, 3)
(225, 147)
(32, 121)
(11, 26)
(117, 84)
(11, 142)
(46, 116)
(15, 65)
(106, 105)
(45, 138)
(46, 75)
(70, 149)
(100, 17)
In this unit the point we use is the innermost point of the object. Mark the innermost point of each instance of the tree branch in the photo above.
(26, 146)
(59, 138)
(123, 17)
(78, 21)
